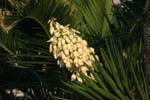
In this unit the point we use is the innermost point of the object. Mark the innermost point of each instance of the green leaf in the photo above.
(97, 15)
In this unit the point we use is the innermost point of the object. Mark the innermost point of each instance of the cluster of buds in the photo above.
(71, 50)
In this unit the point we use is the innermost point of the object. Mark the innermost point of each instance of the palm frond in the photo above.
(24, 48)
(96, 16)
(46, 10)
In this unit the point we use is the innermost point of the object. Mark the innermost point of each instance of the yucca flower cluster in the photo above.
(71, 50)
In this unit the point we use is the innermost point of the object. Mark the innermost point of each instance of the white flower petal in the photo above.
(73, 77)
(92, 50)
(50, 48)
(66, 52)
(57, 34)
(84, 70)
(63, 42)
(79, 79)
(84, 43)
(68, 65)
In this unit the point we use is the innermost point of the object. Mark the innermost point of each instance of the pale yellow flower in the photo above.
(57, 34)
(75, 54)
(84, 69)
(68, 65)
(55, 55)
(67, 40)
(79, 79)
(84, 43)
(80, 62)
(92, 50)
(63, 55)
(59, 45)
(71, 50)
(63, 42)
(73, 77)
(66, 52)
(54, 48)
(80, 51)
(50, 48)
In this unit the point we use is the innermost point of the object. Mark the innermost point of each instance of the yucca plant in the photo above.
(117, 75)
(121, 74)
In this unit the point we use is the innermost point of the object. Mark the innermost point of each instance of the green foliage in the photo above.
(96, 16)
(46, 10)
(129, 21)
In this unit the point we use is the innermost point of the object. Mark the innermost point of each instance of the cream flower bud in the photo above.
(73, 77)
(91, 76)
(50, 48)
(55, 55)
(92, 58)
(75, 60)
(96, 56)
(79, 45)
(75, 31)
(52, 30)
(84, 43)
(74, 47)
(92, 50)
(79, 79)
(87, 51)
(60, 54)
(85, 59)
(59, 39)
(80, 51)
(67, 40)
(68, 65)
(84, 69)
(61, 27)
(51, 39)
(66, 52)
(48, 41)
(75, 54)
(64, 37)
(79, 39)
(74, 40)
(71, 36)
(59, 45)
(71, 50)
(57, 34)
(65, 32)
(80, 62)
(63, 56)
(57, 25)
(63, 42)
(68, 46)
(54, 47)
(89, 63)
(58, 62)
